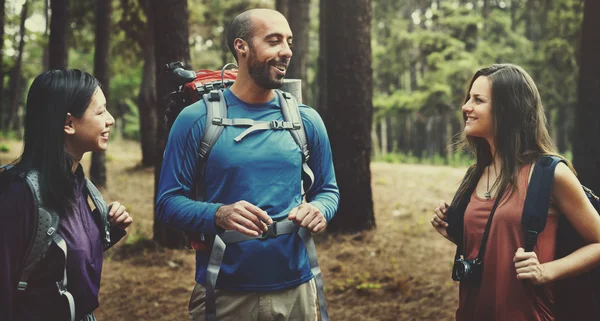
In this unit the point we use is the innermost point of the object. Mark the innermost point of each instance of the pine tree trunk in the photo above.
(586, 150)
(2, 96)
(299, 23)
(147, 98)
(321, 62)
(282, 6)
(350, 109)
(15, 78)
(59, 31)
(171, 42)
(102, 73)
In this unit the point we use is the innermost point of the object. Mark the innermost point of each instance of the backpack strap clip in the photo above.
(214, 95)
(530, 240)
(217, 121)
(277, 124)
(271, 232)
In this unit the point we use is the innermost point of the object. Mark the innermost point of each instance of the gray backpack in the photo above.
(47, 223)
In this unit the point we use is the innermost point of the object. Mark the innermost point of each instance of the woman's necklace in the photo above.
(488, 192)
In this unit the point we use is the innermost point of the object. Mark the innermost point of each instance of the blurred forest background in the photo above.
(387, 76)
(423, 54)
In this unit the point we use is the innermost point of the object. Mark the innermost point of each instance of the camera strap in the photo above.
(481, 253)
(486, 233)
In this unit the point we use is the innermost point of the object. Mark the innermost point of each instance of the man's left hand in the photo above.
(309, 216)
(118, 216)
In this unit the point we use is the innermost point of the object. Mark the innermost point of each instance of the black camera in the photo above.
(467, 270)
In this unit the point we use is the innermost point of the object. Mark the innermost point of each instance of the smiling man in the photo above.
(252, 187)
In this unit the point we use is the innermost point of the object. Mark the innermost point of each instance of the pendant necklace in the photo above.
(488, 193)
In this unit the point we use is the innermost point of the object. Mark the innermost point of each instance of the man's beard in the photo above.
(261, 72)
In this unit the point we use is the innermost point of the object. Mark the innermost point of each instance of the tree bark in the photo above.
(147, 96)
(13, 122)
(300, 24)
(2, 22)
(350, 109)
(282, 6)
(59, 27)
(171, 41)
(586, 150)
(102, 73)
(46, 54)
(321, 62)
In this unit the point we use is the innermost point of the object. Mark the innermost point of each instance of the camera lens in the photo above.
(463, 269)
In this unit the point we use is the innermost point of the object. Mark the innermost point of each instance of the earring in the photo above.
(244, 55)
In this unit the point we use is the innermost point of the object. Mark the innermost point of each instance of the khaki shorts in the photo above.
(297, 303)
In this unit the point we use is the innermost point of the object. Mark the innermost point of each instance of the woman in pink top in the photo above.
(505, 127)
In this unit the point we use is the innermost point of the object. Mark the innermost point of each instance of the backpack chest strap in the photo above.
(254, 125)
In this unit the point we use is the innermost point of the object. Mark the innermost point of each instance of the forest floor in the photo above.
(399, 271)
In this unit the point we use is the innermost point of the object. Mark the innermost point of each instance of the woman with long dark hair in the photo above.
(66, 116)
(505, 127)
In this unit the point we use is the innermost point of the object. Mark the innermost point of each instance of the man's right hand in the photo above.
(243, 217)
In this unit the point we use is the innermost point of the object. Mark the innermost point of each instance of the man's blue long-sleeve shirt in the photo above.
(264, 169)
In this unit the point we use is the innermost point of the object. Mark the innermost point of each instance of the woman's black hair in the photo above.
(51, 96)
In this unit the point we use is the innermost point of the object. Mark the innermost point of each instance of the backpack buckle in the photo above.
(277, 124)
(271, 232)
(22, 286)
(213, 95)
(297, 125)
(217, 121)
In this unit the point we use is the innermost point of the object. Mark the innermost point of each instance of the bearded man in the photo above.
(251, 185)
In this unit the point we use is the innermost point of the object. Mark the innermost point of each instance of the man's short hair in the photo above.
(240, 27)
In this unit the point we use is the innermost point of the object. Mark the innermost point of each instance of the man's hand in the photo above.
(309, 216)
(243, 217)
(118, 216)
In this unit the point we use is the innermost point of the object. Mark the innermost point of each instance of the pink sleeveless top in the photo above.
(501, 296)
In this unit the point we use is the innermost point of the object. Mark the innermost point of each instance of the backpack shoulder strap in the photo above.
(291, 113)
(46, 223)
(101, 211)
(216, 109)
(537, 201)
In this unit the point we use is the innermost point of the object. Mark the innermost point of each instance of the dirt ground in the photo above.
(400, 271)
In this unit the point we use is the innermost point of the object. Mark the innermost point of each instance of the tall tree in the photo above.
(350, 109)
(300, 25)
(102, 73)
(2, 22)
(282, 6)
(321, 61)
(59, 27)
(586, 151)
(13, 122)
(45, 56)
(171, 40)
(147, 96)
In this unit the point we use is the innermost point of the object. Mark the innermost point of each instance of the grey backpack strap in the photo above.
(216, 109)
(291, 113)
(62, 284)
(44, 235)
(102, 210)
(47, 225)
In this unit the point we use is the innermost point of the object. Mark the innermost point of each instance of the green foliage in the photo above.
(131, 118)
(423, 55)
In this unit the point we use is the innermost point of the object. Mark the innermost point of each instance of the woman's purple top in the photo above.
(81, 233)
